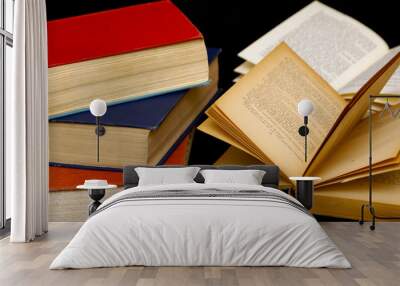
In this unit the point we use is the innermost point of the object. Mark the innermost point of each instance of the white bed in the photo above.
(206, 230)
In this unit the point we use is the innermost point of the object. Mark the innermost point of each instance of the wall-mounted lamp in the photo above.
(305, 108)
(98, 108)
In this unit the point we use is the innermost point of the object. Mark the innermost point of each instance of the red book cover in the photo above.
(180, 154)
(66, 179)
(117, 31)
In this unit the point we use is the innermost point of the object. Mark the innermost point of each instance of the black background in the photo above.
(233, 25)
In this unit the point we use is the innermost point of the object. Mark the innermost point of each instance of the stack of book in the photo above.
(151, 66)
(337, 63)
(65, 177)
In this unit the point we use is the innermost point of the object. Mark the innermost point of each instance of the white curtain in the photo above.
(27, 123)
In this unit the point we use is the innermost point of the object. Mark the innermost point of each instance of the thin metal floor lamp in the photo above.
(370, 206)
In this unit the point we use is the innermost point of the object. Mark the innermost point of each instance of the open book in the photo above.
(350, 158)
(340, 49)
(259, 113)
(351, 195)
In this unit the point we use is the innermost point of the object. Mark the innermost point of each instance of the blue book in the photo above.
(156, 126)
(200, 118)
(145, 113)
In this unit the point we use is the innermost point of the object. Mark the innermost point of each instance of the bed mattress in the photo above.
(201, 225)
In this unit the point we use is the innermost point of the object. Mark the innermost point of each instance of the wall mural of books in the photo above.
(160, 86)
(156, 81)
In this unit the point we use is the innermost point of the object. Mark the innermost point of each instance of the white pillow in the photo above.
(163, 176)
(248, 177)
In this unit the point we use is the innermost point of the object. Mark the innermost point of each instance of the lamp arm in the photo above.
(305, 137)
(305, 146)
(98, 137)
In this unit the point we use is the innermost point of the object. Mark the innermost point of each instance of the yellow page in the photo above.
(263, 107)
(212, 129)
(359, 175)
(352, 153)
(344, 200)
(352, 114)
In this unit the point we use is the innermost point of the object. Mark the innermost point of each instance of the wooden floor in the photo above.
(375, 257)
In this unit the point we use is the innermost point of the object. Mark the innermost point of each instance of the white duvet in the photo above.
(200, 231)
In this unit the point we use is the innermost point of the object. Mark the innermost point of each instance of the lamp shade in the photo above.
(305, 107)
(98, 107)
